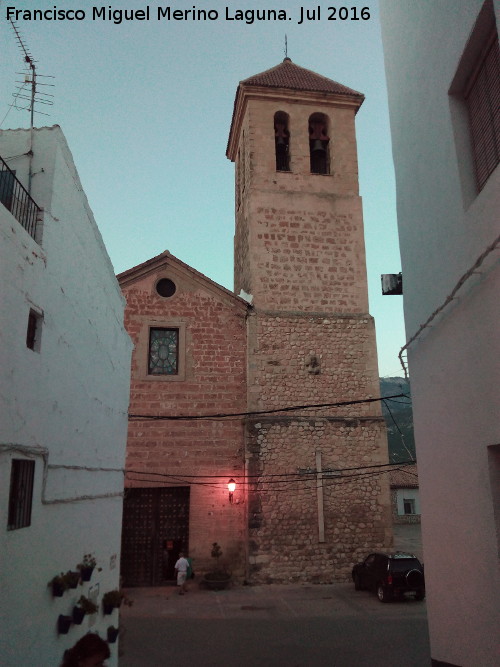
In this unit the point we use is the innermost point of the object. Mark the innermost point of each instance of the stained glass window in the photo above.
(163, 351)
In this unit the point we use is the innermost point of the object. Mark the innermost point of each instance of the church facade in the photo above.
(270, 382)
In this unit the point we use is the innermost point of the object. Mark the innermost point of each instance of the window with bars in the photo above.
(482, 96)
(21, 493)
(163, 351)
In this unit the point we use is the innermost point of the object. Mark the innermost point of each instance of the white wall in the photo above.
(444, 226)
(65, 405)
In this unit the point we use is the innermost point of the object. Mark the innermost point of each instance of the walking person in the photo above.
(181, 569)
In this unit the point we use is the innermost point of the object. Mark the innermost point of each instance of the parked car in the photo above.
(390, 575)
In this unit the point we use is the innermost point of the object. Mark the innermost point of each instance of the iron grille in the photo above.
(21, 493)
(16, 199)
(483, 102)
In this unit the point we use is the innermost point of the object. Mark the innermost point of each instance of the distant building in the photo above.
(405, 495)
(443, 74)
(64, 385)
(304, 508)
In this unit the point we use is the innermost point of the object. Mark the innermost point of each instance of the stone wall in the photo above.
(284, 537)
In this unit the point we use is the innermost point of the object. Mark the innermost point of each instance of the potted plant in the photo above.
(58, 584)
(72, 578)
(87, 605)
(112, 633)
(86, 567)
(113, 600)
(78, 614)
(63, 624)
(218, 578)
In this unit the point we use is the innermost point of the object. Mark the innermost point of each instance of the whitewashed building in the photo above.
(64, 387)
(443, 74)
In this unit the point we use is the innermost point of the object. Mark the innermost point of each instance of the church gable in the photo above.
(165, 276)
(180, 321)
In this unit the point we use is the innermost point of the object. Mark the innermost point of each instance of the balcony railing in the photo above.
(16, 199)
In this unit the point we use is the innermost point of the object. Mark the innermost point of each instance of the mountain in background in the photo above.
(400, 440)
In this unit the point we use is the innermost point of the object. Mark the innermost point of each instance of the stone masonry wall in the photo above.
(303, 359)
(306, 359)
(215, 382)
(283, 507)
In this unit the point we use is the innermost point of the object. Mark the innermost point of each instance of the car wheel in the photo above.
(419, 595)
(357, 583)
(383, 594)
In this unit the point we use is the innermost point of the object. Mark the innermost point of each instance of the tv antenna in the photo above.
(28, 91)
(33, 95)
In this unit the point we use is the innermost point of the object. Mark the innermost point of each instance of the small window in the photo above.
(282, 141)
(34, 330)
(318, 144)
(166, 287)
(163, 351)
(21, 493)
(409, 505)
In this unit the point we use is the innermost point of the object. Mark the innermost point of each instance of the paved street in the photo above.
(296, 626)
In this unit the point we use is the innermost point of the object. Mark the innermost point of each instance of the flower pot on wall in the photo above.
(112, 634)
(64, 624)
(78, 615)
(72, 578)
(58, 589)
(86, 573)
(107, 608)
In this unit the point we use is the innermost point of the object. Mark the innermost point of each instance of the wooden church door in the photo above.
(155, 529)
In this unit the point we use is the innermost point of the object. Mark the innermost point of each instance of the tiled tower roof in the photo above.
(277, 81)
(289, 75)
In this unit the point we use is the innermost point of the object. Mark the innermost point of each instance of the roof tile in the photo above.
(291, 76)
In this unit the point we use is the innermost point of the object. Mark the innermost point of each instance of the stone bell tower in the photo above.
(314, 504)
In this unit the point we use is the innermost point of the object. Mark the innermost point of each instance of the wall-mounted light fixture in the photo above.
(231, 485)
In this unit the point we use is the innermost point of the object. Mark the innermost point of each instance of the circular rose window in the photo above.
(165, 287)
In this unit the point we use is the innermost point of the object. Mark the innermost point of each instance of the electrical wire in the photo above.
(280, 485)
(134, 417)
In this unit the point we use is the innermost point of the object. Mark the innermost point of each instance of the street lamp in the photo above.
(231, 485)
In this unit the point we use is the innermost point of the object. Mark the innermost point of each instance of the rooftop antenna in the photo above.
(286, 47)
(34, 96)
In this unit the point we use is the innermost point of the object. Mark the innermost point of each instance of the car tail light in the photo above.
(389, 579)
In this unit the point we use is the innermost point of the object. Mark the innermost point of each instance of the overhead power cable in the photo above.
(288, 482)
(291, 408)
(284, 474)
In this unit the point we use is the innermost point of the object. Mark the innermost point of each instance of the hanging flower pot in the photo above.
(87, 566)
(72, 578)
(78, 615)
(64, 624)
(86, 573)
(112, 634)
(87, 605)
(113, 600)
(107, 608)
(58, 585)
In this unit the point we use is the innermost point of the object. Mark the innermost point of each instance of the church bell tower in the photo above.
(313, 509)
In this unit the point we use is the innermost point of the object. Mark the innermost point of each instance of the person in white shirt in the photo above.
(181, 568)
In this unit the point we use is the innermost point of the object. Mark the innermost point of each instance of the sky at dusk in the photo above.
(146, 108)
